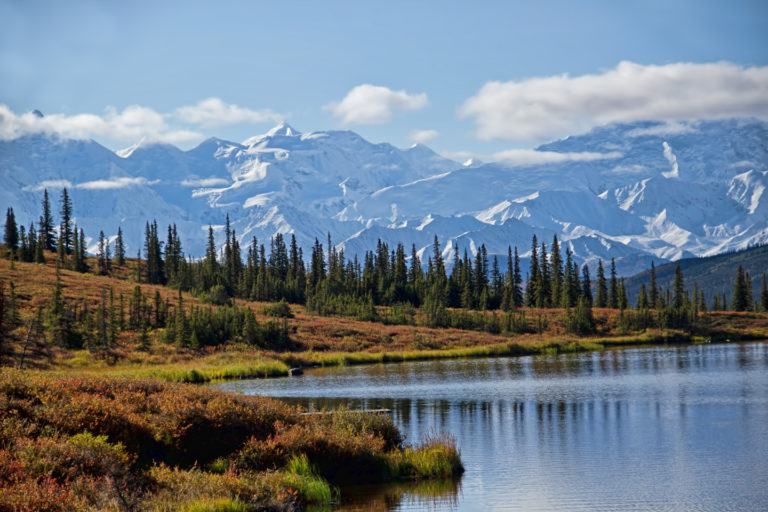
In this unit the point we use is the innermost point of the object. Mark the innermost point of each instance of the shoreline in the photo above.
(233, 366)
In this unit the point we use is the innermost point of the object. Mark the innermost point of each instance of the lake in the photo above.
(659, 428)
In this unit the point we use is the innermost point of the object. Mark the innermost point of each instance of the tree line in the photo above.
(330, 282)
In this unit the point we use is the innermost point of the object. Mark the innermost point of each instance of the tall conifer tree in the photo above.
(613, 289)
(119, 248)
(65, 229)
(11, 237)
(601, 298)
(586, 283)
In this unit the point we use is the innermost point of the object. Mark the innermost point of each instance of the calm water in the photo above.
(664, 428)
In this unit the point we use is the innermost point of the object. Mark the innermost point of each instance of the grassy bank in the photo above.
(243, 363)
(95, 443)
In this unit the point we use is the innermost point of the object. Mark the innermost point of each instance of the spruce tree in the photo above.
(40, 249)
(739, 299)
(613, 290)
(65, 229)
(518, 282)
(11, 237)
(764, 295)
(534, 276)
(101, 257)
(586, 283)
(623, 298)
(82, 265)
(653, 290)
(642, 298)
(601, 298)
(23, 252)
(557, 272)
(678, 287)
(45, 231)
(119, 248)
(61, 254)
(32, 242)
(210, 264)
(545, 282)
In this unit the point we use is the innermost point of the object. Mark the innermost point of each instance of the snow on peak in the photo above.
(283, 130)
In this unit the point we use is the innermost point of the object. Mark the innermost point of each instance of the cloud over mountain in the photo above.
(374, 104)
(546, 107)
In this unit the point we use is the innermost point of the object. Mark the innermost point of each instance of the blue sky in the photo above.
(428, 66)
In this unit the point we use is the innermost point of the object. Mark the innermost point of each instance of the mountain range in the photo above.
(639, 192)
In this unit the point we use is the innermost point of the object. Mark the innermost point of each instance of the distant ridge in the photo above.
(713, 274)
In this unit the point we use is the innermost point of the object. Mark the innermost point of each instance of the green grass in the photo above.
(224, 366)
(218, 505)
(301, 476)
(435, 457)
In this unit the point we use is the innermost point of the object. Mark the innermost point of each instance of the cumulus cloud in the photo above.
(545, 107)
(533, 157)
(214, 112)
(130, 124)
(424, 136)
(133, 123)
(374, 104)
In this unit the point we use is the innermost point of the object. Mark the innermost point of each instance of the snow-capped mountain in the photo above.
(637, 192)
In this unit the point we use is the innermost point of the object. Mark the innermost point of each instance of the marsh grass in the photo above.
(437, 456)
(229, 365)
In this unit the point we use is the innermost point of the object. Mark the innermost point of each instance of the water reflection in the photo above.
(645, 429)
(425, 495)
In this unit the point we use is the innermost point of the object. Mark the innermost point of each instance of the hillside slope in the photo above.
(713, 274)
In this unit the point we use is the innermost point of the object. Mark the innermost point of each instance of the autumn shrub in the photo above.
(338, 456)
(359, 422)
(97, 443)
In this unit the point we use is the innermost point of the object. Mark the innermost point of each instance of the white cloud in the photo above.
(53, 184)
(663, 129)
(546, 107)
(106, 184)
(533, 157)
(115, 183)
(373, 104)
(214, 112)
(133, 122)
(130, 124)
(204, 182)
(424, 136)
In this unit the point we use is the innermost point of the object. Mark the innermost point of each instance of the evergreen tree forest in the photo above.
(392, 285)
